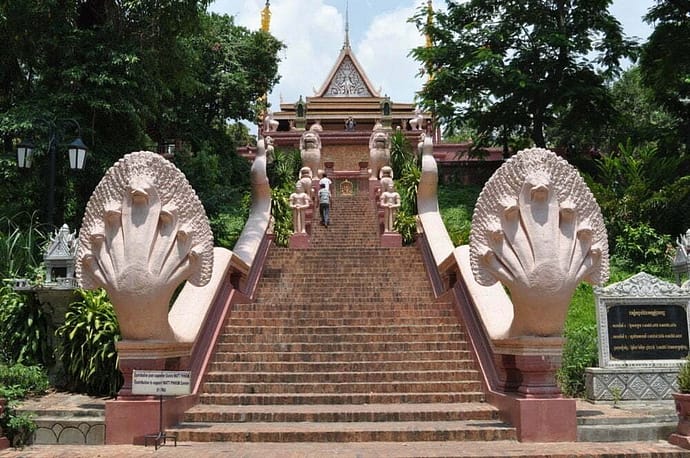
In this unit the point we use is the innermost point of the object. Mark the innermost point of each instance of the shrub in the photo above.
(21, 242)
(87, 345)
(16, 383)
(24, 336)
(640, 248)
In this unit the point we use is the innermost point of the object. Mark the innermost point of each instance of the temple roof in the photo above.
(347, 78)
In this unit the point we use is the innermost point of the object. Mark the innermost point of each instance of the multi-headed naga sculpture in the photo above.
(143, 233)
(537, 229)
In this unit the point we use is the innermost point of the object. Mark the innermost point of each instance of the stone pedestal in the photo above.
(681, 437)
(528, 366)
(299, 241)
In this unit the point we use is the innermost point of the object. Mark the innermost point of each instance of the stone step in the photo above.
(473, 430)
(370, 322)
(340, 357)
(412, 375)
(399, 330)
(365, 348)
(339, 413)
(325, 387)
(339, 398)
(334, 366)
(241, 315)
(370, 338)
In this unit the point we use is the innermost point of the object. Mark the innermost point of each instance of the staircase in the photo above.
(344, 343)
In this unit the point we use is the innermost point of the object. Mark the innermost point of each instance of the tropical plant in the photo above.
(21, 243)
(635, 185)
(287, 165)
(640, 247)
(87, 345)
(683, 378)
(24, 334)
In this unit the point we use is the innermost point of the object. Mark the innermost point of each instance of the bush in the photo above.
(640, 248)
(16, 383)
(24, 336)
(87, 345)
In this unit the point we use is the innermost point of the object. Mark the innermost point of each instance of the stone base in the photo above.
(4, 443)
(391, 240)
(679, 440)
(299, 241)
(630, 384)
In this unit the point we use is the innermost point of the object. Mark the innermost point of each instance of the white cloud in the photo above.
(383, 53)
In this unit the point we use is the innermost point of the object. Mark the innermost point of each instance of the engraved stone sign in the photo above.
(643, 338)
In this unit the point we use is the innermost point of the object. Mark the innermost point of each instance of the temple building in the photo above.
(345, 111)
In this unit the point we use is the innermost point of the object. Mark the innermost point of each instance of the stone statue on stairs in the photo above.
(379, 152)
(299, 202)
(310, 151)
(390, 202)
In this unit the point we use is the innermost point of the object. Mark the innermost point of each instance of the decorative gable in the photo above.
(347, 79)
(347, 82)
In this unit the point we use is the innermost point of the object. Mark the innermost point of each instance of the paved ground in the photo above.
(358, 450)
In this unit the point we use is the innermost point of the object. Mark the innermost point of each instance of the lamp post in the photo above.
(76, 152)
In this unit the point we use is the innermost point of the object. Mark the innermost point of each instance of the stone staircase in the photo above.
(344, 343)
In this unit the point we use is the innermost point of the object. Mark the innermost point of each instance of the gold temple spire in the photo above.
(266, 17)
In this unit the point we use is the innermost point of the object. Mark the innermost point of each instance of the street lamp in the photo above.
(76, 152)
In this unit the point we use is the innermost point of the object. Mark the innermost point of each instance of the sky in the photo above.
(380, 37)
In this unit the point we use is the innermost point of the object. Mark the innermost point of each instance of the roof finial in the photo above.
(347, 25)
(266, 17)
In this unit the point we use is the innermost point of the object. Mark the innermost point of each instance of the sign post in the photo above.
(161, 383)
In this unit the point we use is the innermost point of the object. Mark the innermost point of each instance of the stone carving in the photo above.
(347, 82)
(417, 122)
(316, 127)
(299, 202)
(537, 229)
(379, 152)
(270, 124)
(270, 150)
(310, 151)
(390, 202)
(60, 258)
(642, 284)
(144, 232)
(386, 176)
(306, 178)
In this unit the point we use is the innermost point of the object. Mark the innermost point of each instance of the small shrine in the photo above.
(60, 258)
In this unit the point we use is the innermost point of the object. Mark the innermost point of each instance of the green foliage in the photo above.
(228, 227)
(406, 225)
(641, 248)
(24, 332)
(87, 346)
(21, 242)
(510, 69)
(16, 383)
(282, 215)
(456, 205)
(635, 185)
(665, 61)
(287, 165)
(684, 377)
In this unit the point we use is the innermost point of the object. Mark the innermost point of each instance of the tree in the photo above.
(508, 69)
(665, 60)
(133, 74)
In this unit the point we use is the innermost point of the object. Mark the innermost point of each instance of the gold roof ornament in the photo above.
(266, 17)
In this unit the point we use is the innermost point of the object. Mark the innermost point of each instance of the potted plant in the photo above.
(681, 437)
